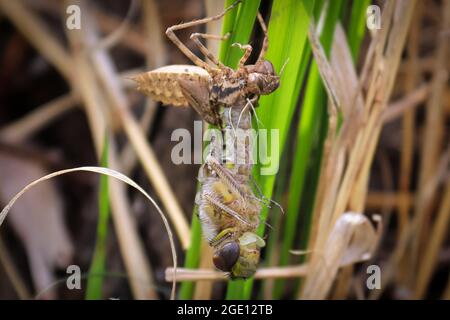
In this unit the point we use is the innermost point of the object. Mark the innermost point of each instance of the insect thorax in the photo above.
(228, 88)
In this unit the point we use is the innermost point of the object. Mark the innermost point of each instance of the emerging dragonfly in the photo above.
(228, 209)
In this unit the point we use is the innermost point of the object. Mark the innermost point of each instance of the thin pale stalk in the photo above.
(135, 261)
(12, 273)
(433, 134)
(108, 76)
(26, 126)
(184, 274)
(408, 123)
(438, 232)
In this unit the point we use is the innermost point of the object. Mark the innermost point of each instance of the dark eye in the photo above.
(260, 83)
(268, 67)
(225, 258)
(265, 67)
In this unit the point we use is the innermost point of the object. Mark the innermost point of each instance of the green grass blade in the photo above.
(192, 259)
(287, 38)
(271, 256)
(227, 27)
(242, 21)
(311, 120)
(97, 268)
(240, 29)
(357, 26)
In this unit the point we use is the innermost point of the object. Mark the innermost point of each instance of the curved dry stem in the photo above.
(113, 174)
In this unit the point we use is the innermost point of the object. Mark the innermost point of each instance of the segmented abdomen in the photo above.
(162, 84)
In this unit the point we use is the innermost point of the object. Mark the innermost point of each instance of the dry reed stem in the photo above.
(408, 123)
(118, 33)
(269, 284)
(352, 178)
(41, 116)
(335, 163)
(154, 172)
(128, 157)
(438, 232)
(424, 65)
(387, 178)
(38, 35)
(342, 76)
(332, 168)
(405, 106)
(433, 135)
(391, 61)
(343, 283)
(358, 288)
(214, 27)
(387, 72)
(108, 23)
(376, 200)
(382, 87)
(184, 274)
(108, 76)
(156, 56)
(446, 294)
(131, 247)
(104, 171)
(400, 249)
(131, 38)
(156, 53)
(12, 273)
(203, 289)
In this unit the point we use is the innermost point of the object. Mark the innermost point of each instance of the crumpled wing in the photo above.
(198, 98)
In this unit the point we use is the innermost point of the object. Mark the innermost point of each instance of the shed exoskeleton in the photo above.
(228, 209)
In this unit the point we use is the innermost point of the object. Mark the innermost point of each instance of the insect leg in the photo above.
(264, 199)
(195, 37)
(219, 205)
(225, 176)
(172, 36)
(248, 51)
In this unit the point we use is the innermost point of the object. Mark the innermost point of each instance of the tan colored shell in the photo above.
(162, 84)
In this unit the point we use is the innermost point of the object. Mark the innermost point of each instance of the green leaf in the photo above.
(240, 32)
(287, 39)
(97, 268)
(357, 26)
(192, 259)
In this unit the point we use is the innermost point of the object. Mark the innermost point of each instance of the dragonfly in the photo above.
(229, 211)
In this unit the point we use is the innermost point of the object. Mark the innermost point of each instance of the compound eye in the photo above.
(256, 80)
(225, 258)
(265, 67)
(268, 67)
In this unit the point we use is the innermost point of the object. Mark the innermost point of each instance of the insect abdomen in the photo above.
(162, 84)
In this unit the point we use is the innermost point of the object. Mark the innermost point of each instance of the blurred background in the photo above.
(64, 93)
